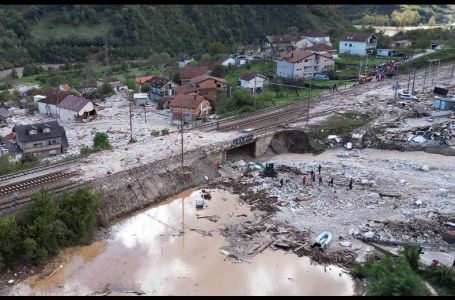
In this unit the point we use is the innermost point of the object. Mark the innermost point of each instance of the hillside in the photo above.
(70, 33)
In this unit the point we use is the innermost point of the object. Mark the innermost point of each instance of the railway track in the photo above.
(36, 181)
(4, 205)
(36, 169)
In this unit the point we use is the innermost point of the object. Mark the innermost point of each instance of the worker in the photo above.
(320, 179)
(281, 182)
(351, 181)
(453, 264)
(319, 169)
(312, 173)
(420, 250)
(218, 164)
(304, 180)
(331, 181)
(435, 263)
(313, 177)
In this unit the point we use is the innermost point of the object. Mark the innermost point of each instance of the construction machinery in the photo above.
(269, 170)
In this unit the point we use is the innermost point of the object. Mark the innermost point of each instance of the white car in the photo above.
(248, 130)
(405, 95)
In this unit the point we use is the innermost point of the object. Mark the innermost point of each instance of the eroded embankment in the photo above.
(128, 191)
(291, 141)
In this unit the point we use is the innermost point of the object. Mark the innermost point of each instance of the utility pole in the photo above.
(414, 78)
(254, 98)
(145, 113)
(181, 139)
(106, 52)
(396, 90)
(360, 67)
(409, 79)
(131, 122)
(424, 79)
(308, 108)
(437, 70)
(451, 76)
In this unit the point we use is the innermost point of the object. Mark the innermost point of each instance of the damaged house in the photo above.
(190, 107)
(41, 139)
(76, 109)
(160, 87)
(47, 104)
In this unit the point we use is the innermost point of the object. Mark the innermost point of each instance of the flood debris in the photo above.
(212, 218)
(203, 232)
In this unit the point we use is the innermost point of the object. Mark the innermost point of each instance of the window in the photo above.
(345, 44)
(46, 129)
(306, 60)
(33, 131)
(350, 45)
(39, 144)
(218, 85)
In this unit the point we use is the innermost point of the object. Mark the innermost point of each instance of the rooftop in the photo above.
(190, 101)
(73, 103)
(23, 131)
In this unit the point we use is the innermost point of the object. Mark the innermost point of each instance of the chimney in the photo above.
(292, 54)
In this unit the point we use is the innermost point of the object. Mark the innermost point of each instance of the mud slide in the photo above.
(290, 141)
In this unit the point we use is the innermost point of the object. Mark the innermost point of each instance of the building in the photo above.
(401, 44)
(443, 103)
(187, 73)
(143, 80)
(358, 43)
(47, 106)
(160, 87)
(436, 45)
(209, 82)
(41, 139)
(276, 45)
(37, 98)
(228, 62)
(141, 99)
(73, 109)
(184, 61)
(249, 50)
(318, 37)
(193, 106)
(253, 81)
(321, 48)
(303, 64)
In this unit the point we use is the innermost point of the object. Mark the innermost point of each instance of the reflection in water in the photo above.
(149, 253)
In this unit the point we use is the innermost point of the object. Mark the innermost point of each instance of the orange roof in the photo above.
(190, 72)
(187, 101)
(141, 80)
(205, 77)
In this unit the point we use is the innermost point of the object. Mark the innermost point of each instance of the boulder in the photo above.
(369, 235)
(425, 168)
(346, 243)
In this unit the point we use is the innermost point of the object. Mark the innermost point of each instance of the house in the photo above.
(384, 52)
(276, 45)
(358, 43)
(444, 103)
(4, 114)
(303, 64)
(141, 99)
(228, 62)
(253, 81)
(401, 44)
(41, 139)
(74, 108)
(143, 80)
(193, 107)
(160, 87)
(249, 50)
(209, 82)
(37, 98)
(318, 37)
(436, 45)
(321, 48)
(187, 73)
(47, 106)
(184, 61)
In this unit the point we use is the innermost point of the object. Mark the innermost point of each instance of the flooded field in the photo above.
(167, 250)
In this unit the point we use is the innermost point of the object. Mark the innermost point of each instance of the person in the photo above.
(351, 181)
(331, 181)
(320, 179)
(435, 263)
(218, 164)
(420, 250)
(453, 264)
(281, 182)
(312, 173)
(335, 87)
(319, 169)
(313, 177)
(304, 180)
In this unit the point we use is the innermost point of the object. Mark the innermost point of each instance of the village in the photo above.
(373, 181)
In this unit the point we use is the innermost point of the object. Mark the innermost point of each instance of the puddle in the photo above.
(148, 252)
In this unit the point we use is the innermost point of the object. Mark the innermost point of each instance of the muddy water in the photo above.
(155, 251)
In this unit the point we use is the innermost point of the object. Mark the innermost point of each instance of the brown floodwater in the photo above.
(156, 252)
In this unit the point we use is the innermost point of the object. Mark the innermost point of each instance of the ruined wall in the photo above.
(125, 192)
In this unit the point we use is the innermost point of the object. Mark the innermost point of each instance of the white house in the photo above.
(358, 43)
(141, 99)
(228, 62)
(74, 108)
(253, 81)
(37, 98)
(47, 106)
(303, 64)
(184, 61)
(318, 37)
(275, 45)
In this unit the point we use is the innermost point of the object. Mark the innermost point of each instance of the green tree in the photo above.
(216, 48)
(6, 166)
(13, 74)
(432, 21)
(106, 89)
(145, 88)
(77, 213)
(131, 84)
(101, 141)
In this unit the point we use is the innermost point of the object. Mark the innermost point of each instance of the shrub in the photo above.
(165, 131)
(411, 254)
(106, 89)
(101, 141)
(155, 133)
(87, 150)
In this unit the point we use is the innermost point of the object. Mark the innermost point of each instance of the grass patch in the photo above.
(345, 59)
(338, 124)
(446, 54)
(264, 67)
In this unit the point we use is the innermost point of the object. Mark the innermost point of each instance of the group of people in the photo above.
(313, 179)
(333, 88)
